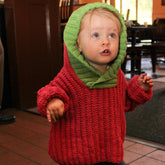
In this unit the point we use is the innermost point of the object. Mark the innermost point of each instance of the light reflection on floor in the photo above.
(146, 66)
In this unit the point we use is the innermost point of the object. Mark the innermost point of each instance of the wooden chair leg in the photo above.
(139, 63)
(153, 58)
(123, 66)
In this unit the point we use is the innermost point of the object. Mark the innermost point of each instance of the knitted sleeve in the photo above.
(136, 95)
(47, 93)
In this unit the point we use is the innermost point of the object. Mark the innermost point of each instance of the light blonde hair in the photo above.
(103, 12)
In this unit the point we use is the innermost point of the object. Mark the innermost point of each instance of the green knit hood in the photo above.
(90, 76)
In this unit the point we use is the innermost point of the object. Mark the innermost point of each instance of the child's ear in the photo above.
(78, 45)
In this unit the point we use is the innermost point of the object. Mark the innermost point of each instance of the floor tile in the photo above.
(5, 137)
(23, 161)
(16, 131)
(147, 161)
(141, 149)
(9, 158)
(128, 143)
(34, 127)
(2, 150)
(25, 142)
(130, 156)
(38, 140)
(42, 158)
(158, 154)
(146, 66)
(22, 148)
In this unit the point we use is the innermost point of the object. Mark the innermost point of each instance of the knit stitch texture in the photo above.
(90, 76)
(93, 126)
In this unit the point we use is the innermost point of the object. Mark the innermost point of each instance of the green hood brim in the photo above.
(90, 76)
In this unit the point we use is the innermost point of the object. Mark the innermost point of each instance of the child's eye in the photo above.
(95, 35)
(112, 35)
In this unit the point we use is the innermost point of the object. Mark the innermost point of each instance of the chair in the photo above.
(133, 52)
(158, 21)
(66, 9)
(159, 41)
(157, 47)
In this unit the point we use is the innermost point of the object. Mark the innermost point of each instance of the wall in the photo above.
(158, 9)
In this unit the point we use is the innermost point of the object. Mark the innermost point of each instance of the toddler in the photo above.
(86, 102)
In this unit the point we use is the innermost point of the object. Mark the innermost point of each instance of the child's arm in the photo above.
(54, 109)
(145, 82)
(48, 93)
(139, 91)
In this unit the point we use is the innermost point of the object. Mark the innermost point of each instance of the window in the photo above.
(140, 10)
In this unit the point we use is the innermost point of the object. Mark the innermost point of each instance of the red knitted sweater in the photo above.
(93, 126)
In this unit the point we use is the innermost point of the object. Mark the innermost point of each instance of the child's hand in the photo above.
(55, 109)
(145, 82)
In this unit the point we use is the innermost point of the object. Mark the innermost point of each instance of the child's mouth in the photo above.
(106, 52)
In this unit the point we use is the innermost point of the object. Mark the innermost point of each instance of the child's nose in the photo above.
(105, 41)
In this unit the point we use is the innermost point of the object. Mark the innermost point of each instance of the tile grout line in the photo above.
(148, 143)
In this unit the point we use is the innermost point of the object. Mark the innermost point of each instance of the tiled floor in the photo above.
(146, 66)
(139, 153)
(24, 142)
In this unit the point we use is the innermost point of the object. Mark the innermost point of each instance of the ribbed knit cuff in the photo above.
(44, 96)
(136, 93)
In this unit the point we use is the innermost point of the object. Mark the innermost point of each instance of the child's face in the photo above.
(99, 40)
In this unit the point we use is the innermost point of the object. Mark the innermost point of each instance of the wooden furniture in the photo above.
(158, 42)
(2, 37)
(158, 21)
(150, 39)
(76, 6)
(1, 72)
(137, 36)
(66, 9)
(34, 47)
(157, 47)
